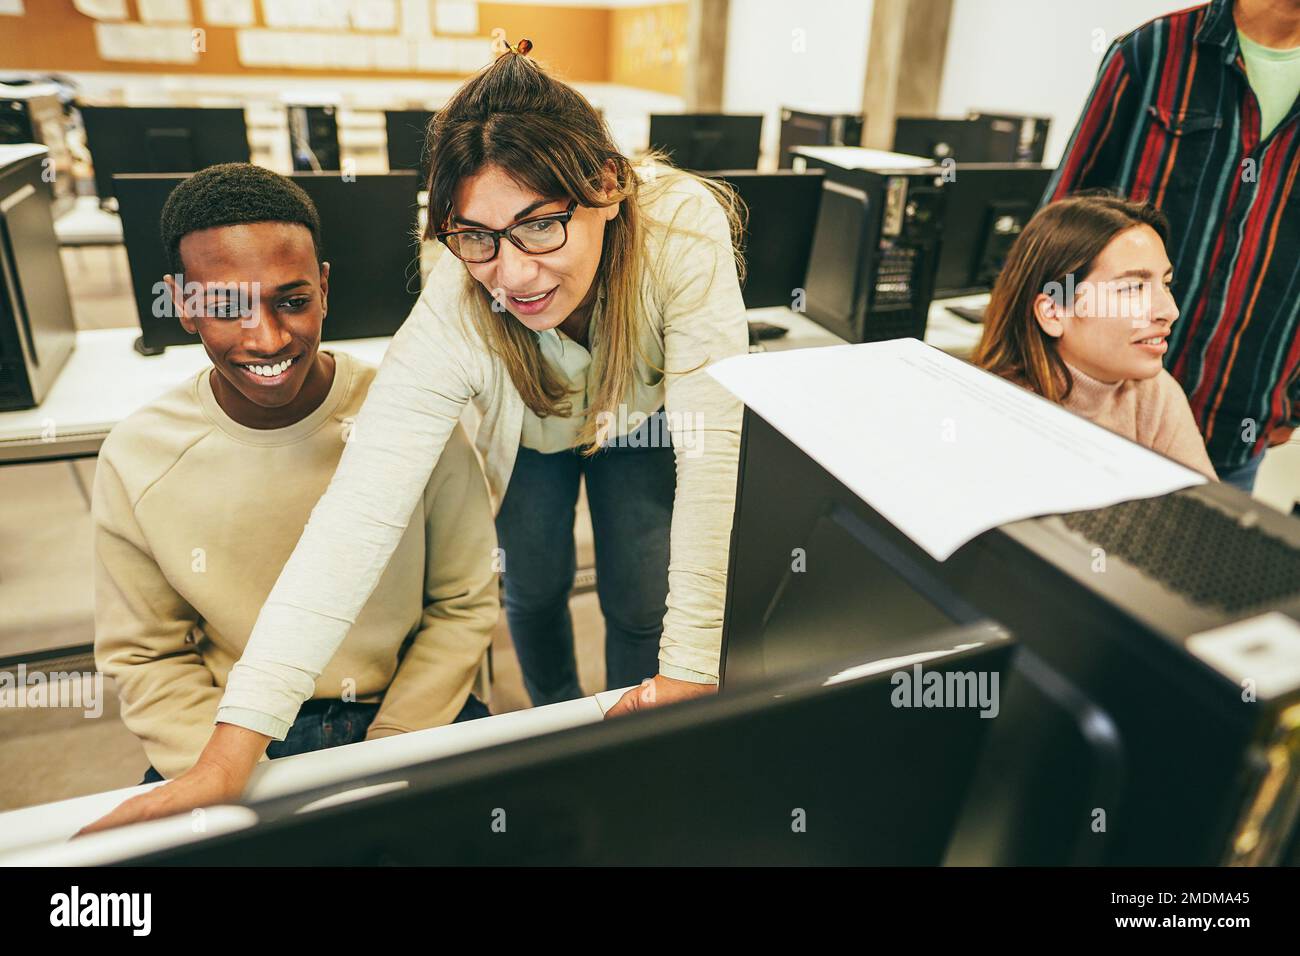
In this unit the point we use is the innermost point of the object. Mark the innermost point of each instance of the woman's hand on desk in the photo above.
(201, 786)
(219, 776)
(657, 692)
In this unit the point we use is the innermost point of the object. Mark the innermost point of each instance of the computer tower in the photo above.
(1029, 133)
(34, 114)
(408, 135)
(799, 128)
(37, 331)
(1152, 716)
(874, 252)
(314, 138)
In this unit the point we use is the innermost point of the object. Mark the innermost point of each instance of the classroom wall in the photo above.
(810, 55)
(1035, 56)
(614, 41)
(647, 47)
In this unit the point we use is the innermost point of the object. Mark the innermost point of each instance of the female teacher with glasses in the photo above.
(580, 306)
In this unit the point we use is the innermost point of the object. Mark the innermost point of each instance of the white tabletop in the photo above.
(85, 224)
(943, 330)
(37, 835)
(106, 380)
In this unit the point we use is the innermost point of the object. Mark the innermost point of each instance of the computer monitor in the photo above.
(161, 139)
(1030, 133)
(959, 140)
(314, 138)
(988, 205)
(1124, 736)
(799, 128)
(408, 137)
(823, 768)
(374, 258)
(782, 214)
(708, 141)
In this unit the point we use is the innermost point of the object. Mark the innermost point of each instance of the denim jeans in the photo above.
(630, 493)
(1243, 477)
(322, 724)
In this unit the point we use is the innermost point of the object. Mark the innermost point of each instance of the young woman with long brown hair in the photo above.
(579, 303)
(1080, 314)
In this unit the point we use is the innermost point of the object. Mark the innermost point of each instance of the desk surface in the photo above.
(106, 380)
(37, 835)
(85, 224)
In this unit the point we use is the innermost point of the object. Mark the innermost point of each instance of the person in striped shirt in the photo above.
(1197, 113)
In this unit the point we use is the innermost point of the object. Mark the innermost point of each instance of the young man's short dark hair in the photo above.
(232, 194)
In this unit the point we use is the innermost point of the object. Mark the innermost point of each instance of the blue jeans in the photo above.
(1243, 476)
(322, 724)
(630, 493)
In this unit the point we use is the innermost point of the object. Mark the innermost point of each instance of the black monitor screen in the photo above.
(148, 139)
(374, 258)
(849, 592)
(988, 205)
(781, 216)
(708, 141)
(408, 132)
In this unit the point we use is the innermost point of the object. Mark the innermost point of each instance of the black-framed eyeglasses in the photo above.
(535, 236)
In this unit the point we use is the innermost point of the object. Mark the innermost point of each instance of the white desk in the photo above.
(106, 380)
(37, 836)
(943, 330)
(85, 224)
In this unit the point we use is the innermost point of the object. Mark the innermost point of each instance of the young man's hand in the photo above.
(219, 776)
(657, 692)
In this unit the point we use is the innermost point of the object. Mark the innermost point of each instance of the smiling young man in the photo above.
(201, 496)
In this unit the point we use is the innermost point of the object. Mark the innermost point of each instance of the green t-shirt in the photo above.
(1275, 77)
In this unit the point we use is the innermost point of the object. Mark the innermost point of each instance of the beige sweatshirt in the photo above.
(437, 364)
(1152, 412)
(195, 515)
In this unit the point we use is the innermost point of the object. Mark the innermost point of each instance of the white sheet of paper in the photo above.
(137, 42)
(11, 8)
(313, 14)
(374, 14)
(455, 16)
(394, 53)
(416, 20)
(943, 450)
(228, 13)
(102, 9)
(164, 11)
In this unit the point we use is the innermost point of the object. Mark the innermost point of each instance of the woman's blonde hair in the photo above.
(1063, 239)
(545, 135)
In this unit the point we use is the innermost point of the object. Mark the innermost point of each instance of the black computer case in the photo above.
(37, 332)
(872, 267)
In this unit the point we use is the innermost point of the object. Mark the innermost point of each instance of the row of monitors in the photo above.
(716, 141)
(148, 139)
(183, 139)
(375, 277)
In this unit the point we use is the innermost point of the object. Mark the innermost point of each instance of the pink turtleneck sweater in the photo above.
(1152, 412)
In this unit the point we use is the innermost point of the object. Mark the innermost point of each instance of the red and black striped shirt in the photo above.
(1172, 120)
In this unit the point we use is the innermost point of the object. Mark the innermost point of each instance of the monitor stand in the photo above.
(143, 349)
